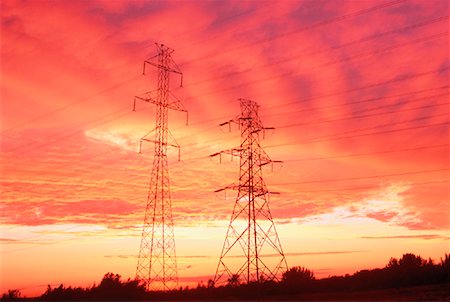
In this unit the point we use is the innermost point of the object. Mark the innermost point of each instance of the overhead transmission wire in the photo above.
(120, 84)
(206, 157)
(357, 135)
(326, 138)
(315, 51)
(369, 86)
(373, 85)
(108, 88)
(260, 7)
(368, 187)
(368, 153)
(301, 29)
(271, 107)
(123, 111)
(318, 108)
(353, 114)
(79, 101)
(351, 131)
(360, 101)
(138, 177)
(351, 117)
(362, 55)
(362, 177)
(290, 73)
(312, 122)
(323, 107)
(96, 121)
(281, 75)
(321, 138)
(337, 136)
(67, 106)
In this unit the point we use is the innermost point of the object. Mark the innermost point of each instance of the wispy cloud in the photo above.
(293, 254)
(424, 237)
(178, 256)
(21, 241)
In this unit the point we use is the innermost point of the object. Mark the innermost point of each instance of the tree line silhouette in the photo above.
(409, 270)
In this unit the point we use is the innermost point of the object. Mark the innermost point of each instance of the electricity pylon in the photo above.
(252, 251)
(157, 263)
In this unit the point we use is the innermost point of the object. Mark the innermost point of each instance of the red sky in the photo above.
(357, 91)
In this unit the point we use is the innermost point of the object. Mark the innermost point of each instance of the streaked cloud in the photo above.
(424, 237)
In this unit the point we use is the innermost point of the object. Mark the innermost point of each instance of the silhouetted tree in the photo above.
(112, 288)
(297, 279)
(298, 275)
(210, 283)
(409, 270)
(234, 280)
(12, 295)
(411, 261)
(62, 293)
(444, 268)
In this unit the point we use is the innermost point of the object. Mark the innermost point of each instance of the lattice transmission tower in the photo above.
(157, 263)
(252, 251)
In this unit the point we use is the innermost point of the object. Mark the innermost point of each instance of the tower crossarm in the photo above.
(150, 97)
(169, 65)
(264, 158)
(233, 152)
(229, 187)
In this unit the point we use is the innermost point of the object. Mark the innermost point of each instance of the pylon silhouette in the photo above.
(252, 250)
(157, 263)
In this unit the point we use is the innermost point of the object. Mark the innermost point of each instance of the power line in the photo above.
(64, 134)
(352, 116)
(122, 83)
(315, 51)
(368, 153)
(359, 135)
(306, 141)
(306, 28)
(59, 109)
(336, 93)
(368, 100)
(380, 126)
(323, 107)
(354, 188)
(362, 177)
(313, 139)
(62, 108)
(376, 84)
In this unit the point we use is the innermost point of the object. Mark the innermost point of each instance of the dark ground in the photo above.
(438, 292)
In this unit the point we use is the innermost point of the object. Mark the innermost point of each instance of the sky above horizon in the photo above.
(357, 92)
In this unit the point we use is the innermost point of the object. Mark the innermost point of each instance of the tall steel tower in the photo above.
(252, 251)
(157, 263)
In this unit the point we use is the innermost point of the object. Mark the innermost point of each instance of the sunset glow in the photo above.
(357, 92)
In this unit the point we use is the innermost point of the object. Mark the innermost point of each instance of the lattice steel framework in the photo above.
(157, 263)
(252, 251)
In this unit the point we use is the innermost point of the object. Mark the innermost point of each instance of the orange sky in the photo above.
(357, 91)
